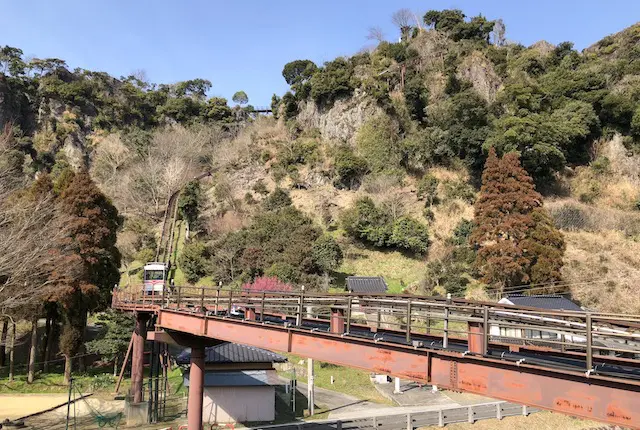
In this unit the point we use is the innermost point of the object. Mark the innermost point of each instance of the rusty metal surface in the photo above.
(566, 392)
(330, 328)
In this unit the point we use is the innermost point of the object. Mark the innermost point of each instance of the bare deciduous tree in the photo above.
(403, 19)
(375, 33)
(29, 226)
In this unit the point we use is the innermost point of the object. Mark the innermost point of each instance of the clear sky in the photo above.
(243, 44)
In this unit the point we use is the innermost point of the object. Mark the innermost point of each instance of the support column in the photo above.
(337, 321)
(250, 314)
(476, 337)
(137, 360)
(196, 389)
(396, 386)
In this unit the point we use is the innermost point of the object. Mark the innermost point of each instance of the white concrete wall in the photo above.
(238, 404)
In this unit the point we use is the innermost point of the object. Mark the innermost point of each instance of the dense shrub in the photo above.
(278, 199)
(411, 235)
(428, 189)
(349, 168)
(376, 226)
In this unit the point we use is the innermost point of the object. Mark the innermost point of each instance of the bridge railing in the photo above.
(413, 320)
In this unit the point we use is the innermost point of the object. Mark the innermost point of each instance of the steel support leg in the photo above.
(137, 360)
(196, 389)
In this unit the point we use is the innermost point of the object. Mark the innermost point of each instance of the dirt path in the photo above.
(14, 406)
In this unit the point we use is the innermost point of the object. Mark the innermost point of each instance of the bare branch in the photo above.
(375, 33)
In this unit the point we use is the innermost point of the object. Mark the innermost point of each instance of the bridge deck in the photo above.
(450, 344)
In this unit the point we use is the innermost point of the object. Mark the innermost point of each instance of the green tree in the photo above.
(515, 238)
(326, 253)
(333, 81)
(298, 71)
(115, 334)
(240, 97)
(378, 143)
(367, 222)
(193, 261)
(189, 204)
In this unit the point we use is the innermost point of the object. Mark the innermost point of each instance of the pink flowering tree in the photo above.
(267, 283)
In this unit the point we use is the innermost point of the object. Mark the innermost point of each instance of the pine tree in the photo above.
(87, 261)
(516, 240)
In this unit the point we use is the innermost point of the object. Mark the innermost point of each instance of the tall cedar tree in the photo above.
(516, 240)
(87, 259)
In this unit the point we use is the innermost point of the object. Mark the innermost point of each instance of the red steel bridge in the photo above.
(578, 363)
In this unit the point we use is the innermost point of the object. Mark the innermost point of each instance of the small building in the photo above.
(239, 383)
(545, 302)
(366, 285)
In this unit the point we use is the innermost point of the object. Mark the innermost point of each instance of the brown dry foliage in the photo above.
(516, 240)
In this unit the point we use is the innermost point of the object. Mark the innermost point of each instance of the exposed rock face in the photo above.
(477, 69)
(343, 119)
(543, 47)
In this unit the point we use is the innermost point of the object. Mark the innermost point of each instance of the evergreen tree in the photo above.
(87, 261)
(189, 204)
(516, 240)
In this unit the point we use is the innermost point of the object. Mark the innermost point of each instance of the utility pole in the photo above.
(310, 385)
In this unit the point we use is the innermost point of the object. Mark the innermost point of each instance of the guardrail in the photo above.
(410, 421)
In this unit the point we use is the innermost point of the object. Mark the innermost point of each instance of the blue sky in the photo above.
(242, 44)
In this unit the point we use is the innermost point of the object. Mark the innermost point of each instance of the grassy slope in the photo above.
(397, 269)
(346, 380)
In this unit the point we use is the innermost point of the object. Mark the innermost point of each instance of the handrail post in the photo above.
(202, 301)
(215, 312)
(485, 331)
(408, 320)
(300, 308)
(349, 314)
(589, 343)
(164, 290)
(445, 331)
(179, 297)
(230, 300)
(262, 308)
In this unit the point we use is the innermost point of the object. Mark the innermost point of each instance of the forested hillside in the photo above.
(373, 164)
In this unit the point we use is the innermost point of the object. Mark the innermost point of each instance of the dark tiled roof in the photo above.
(233, 353)
(366, 284)
(243, 378)
(551, 302)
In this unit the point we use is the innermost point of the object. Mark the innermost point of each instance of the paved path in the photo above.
(339, 403)
(413, 394)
